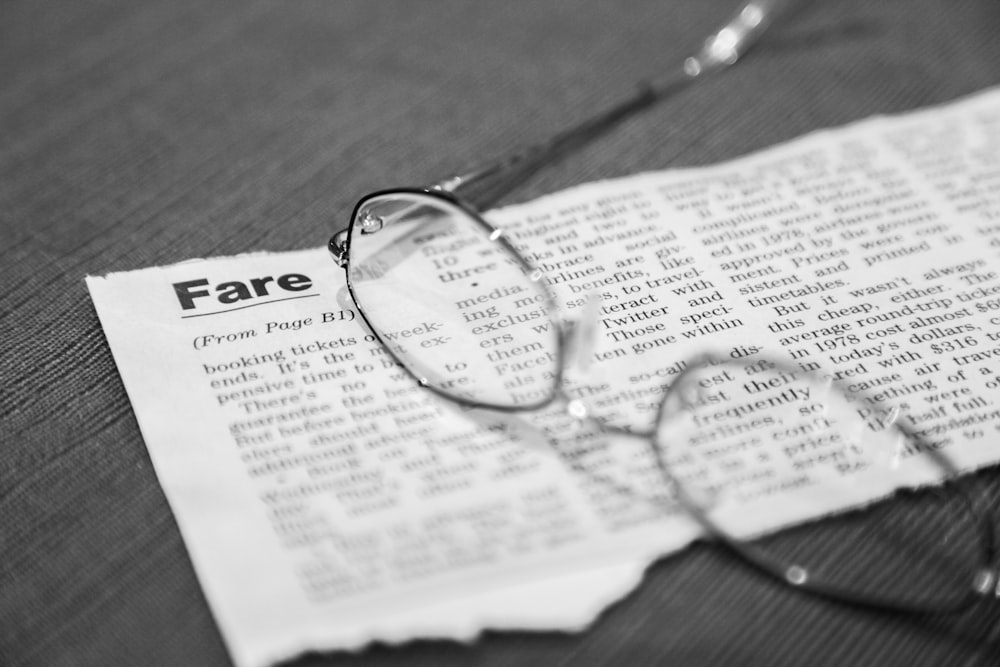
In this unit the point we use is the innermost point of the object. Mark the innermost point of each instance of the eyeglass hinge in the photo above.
(338, 248)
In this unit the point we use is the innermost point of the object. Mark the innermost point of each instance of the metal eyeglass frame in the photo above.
(480, 188)
(985, 577)
(486, 184)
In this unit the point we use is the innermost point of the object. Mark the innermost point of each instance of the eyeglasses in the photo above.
(746, 446)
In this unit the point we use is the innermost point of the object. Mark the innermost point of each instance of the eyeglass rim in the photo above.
(555, 392)
(769, 567)
(776, 570)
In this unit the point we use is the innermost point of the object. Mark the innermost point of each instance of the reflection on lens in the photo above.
(825, 491)
(445, 293)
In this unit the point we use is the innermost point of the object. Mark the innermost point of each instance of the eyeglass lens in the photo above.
(754, 446)
(446, 294)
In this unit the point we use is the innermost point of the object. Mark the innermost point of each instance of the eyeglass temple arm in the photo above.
(723, 48)
(485, 185)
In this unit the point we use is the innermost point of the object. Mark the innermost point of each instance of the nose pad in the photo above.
(371, 223)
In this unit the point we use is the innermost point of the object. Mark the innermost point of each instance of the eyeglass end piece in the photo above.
(338, 248)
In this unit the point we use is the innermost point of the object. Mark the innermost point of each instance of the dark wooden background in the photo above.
(139, 133)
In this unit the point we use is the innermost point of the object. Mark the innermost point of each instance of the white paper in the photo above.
(327, 501)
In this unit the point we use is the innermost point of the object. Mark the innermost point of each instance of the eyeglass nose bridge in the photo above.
(580, 334)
